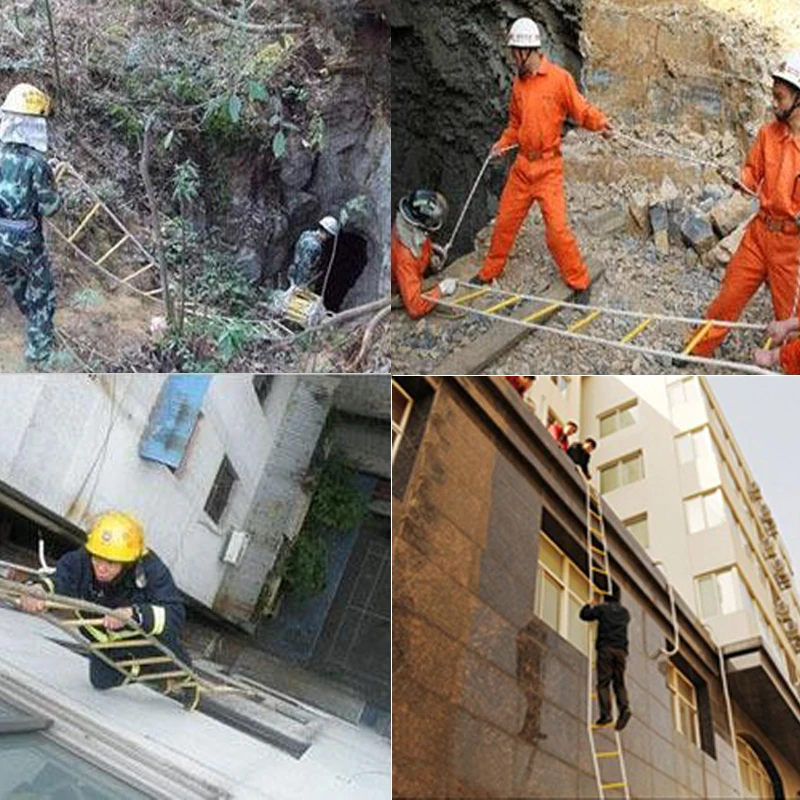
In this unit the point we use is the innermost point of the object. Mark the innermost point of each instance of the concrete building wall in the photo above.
(488, 700)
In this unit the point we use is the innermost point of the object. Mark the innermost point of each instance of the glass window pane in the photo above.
(685, 449)
(578, 584)
(578, 630)
(675, 392)
(36, 767)
(638, 527)
(702, 443)
(709, 604)
(550, 557)
(627, 417)
(714, 508)
(609, 478)
(632, 470)
(608, 425)
(695, 520)
(550, 606)
(727, 592)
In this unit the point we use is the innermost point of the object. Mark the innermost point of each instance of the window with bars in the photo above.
(561, 591)
(622, 472)
(619, 418)
(685, 716)
(402, 404)
(220, 492)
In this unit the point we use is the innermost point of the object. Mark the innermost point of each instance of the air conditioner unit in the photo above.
(234, 549)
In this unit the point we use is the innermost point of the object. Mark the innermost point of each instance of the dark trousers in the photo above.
(611, 669)
(102, 676)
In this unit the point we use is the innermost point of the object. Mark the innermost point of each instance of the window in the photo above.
(755, 779)
(562, 382)
(705, 511)
(628, 469)
(561, 591)
(262, 384)
(681, 392)
(618, 418)
(694, 445)
(401, 410)
(220, 492)
(720, 593)
(684, 705)
(34, 766)
(638, 527)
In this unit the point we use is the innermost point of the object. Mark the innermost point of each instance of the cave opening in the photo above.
(348, 264)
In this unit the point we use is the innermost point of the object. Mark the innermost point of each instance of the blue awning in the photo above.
(173, 419)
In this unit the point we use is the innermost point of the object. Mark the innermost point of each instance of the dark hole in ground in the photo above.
(348, 264)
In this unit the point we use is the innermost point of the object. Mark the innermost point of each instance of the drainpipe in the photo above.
(676, 633)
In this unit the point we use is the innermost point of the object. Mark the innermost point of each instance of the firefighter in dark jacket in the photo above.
(581, 454)
(612, 652)
(116, 570)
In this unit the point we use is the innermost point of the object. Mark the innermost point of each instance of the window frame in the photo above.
(635, 519)
(675, 678)
(616, 414)
(619, 463)
(215, 490)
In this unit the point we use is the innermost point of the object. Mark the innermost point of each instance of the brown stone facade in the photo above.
(488, 700)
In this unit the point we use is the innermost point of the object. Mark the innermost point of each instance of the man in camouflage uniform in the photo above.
(307, 264)
(27, 193)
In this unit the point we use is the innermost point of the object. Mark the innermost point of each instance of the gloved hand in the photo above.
(33, 603)
(779, 329)
(448, 286)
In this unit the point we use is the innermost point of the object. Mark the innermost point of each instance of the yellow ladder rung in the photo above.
(768, 343)
(114, 249)
(154, 660)
(472, 295)
(601, 571)
(138, 272)
(60, 170)
(94, 209)
(121, 643)
(607, 725)
(78, 623)
(597, 531)
(158, 675)
(698, 337)
(582, 323)
(632, 334)
(542, 312)
(598, 550)
(593, 694)
(153, 292)
(509, 301)
(614, 785)
(610, 754)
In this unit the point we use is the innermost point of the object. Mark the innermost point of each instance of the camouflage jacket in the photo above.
(27, 187)
(307, 254)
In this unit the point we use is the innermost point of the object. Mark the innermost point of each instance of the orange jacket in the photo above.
(773, 170)
(407, 272)
(790, 358)
(540, 104)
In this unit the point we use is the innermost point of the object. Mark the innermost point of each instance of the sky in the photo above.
(763, 413)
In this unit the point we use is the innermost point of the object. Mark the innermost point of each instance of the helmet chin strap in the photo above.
(783, 116)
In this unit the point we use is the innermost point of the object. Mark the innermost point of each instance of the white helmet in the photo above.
(525, 33)
(789, 70)
(330, 225)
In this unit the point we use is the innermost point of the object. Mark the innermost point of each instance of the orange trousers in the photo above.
(540, 181)
(763, 256)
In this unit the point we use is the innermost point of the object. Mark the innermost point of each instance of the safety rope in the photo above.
(550, 305)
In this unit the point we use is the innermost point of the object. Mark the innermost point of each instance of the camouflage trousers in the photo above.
(25, 270)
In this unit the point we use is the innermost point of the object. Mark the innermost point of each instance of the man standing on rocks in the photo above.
(308, 263)
(770, 249)
(27, 193)
(542, 97)
(420, 214)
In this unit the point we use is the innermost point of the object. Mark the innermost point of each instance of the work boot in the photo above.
(605, 719)
(582, 296)
(624, 718)
(476, 280)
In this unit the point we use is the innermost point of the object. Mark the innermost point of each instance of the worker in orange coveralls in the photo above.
(420, 213)
(542, 97)
(770, 249)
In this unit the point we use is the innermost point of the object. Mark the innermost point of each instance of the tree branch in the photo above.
(250, 27)
(369, 330)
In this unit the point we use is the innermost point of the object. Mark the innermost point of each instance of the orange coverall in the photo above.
(407, 272)
(790, 358)
(540, 104)
(770, 249)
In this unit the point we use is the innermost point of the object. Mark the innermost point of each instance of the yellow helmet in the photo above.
(27, 99)
(115, 536)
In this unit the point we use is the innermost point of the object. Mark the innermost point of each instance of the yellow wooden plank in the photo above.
(159, 675)
(92, 211)
(153, 660)
(114, 249)
(614, 785)
(472, 295)
(509, 301)
(632, 334)
(138, 272)
(582, 323)
(698, 337)
(542, 312)
(611, 754)
(121, 643)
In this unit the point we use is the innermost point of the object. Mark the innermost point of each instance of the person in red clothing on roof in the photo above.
(561, 433)
(419, 214)
(770, 250)
(542, 97)
(521, 383)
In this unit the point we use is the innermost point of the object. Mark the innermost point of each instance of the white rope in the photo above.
(486, 163)
(733, 365)
(722, 323)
